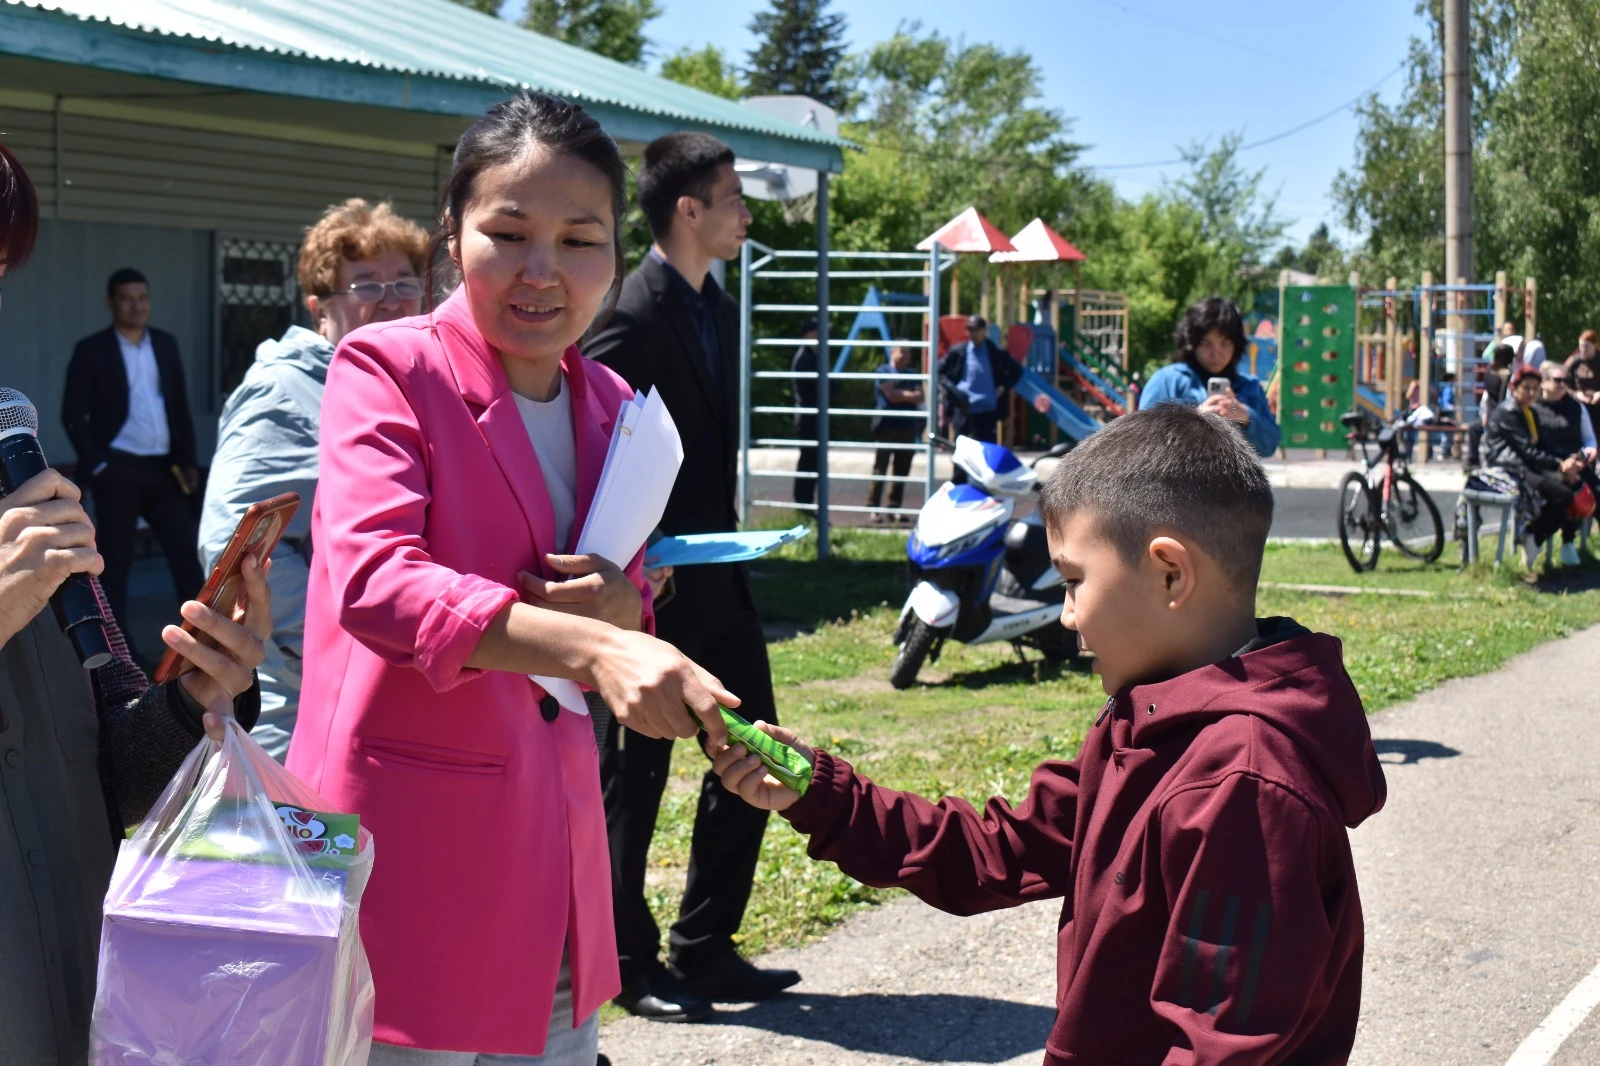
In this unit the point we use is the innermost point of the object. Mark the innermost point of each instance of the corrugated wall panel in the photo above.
(225, 182)
(31, 137)
(144, 174)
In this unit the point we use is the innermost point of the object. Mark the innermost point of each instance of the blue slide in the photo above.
(1071, 419)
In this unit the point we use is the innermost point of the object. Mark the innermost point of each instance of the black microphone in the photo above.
(76, 605)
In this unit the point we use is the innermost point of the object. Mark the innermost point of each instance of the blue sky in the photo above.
(1144, 76)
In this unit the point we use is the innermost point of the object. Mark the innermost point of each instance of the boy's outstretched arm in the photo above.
(1253, 961)
(946, 853)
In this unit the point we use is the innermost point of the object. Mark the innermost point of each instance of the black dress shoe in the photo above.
(727, 978)
(657, 994)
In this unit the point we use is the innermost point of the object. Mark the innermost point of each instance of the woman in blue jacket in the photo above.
(1210, 341)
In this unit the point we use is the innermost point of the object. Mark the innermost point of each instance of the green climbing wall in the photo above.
(1317, 336)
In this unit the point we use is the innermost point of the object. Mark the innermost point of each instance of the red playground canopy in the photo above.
(1038, 243)
(968, 232)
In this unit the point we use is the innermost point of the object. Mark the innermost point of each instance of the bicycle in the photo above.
(1393, 504)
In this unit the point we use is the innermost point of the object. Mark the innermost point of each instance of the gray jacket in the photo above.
(266, 445)
(81, 757)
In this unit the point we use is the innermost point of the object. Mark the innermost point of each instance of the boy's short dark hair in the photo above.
(1169, 468)
(679, 164)
(125, 276)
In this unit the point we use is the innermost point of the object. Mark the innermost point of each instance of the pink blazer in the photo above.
(488, 822)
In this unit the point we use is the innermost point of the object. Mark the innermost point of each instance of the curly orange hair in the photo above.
(353, 231)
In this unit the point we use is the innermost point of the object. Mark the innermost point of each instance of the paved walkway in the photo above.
(1481, 883)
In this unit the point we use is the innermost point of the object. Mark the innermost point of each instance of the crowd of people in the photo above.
(446, 418)
(1538, 431)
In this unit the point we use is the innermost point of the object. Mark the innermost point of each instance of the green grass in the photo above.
(979, 720)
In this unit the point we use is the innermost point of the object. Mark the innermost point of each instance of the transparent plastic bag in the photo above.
(230, 931)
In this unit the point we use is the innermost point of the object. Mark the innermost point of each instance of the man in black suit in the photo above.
(126, 409)
(675, 329)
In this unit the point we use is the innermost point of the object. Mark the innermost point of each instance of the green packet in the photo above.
(786, 764)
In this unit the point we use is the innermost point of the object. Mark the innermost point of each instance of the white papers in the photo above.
(641, 465)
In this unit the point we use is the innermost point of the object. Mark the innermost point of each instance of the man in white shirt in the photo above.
(126, 409)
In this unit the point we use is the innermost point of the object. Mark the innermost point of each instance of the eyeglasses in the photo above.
(1557, 381)
(371, 292)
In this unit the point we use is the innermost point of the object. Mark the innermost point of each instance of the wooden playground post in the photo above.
(1077, 308)
(1283, 361)
(1000, 309)
(1468, 349)
(1502, 303)
(983, 291)
(955, 286)
(1530, 308)
(1393, 358)
(1425, 333)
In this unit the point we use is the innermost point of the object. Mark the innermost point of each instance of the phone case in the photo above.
(786, 764)
(257, 533)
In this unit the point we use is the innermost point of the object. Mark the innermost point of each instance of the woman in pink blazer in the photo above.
(459, 450)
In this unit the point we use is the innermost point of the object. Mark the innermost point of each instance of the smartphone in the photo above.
(1218, 387)
(256, 535)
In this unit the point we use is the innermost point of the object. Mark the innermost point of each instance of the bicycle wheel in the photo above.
(1412, 521)
(1358, 523)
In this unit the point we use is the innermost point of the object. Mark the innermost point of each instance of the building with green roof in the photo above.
(196, 140)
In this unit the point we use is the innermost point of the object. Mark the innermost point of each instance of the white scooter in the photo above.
(981, 577)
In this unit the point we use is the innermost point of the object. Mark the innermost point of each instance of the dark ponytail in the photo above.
(506, 131)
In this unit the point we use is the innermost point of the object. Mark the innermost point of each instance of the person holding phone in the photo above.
(460, 453)
(1210, 341)
(83, 755)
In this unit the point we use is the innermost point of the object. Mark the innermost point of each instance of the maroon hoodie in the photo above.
(1199, 843)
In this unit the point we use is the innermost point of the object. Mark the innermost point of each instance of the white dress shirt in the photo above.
(145, 432)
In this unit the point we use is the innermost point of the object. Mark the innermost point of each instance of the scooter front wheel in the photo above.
(913, 651)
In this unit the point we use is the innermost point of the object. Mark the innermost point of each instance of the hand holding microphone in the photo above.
(47, 549)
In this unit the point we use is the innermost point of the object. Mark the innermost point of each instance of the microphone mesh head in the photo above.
(17, 414)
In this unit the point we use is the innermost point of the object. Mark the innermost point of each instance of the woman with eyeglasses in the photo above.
(360, 263)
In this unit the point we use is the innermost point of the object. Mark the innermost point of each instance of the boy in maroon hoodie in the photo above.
(1199, 840)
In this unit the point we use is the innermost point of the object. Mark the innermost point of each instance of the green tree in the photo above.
(1536, 158)
(1238, 221)
(707, 69)
(1321, 255)
(801, 44)
(612, 28)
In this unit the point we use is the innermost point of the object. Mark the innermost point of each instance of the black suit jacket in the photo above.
(95, 404)
(651, 341)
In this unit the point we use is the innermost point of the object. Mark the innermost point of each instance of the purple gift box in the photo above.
(224, 962)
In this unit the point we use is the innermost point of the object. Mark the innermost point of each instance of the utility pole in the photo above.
(1458, 228)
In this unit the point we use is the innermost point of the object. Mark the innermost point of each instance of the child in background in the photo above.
(1200, 839)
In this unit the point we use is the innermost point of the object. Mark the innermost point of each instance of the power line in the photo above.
(1325, 116)
(1222, 39)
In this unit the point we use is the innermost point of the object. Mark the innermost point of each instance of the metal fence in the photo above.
(759, 266)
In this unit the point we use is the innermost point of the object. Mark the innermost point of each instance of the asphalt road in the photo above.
(1299, 512)
(1478, 879)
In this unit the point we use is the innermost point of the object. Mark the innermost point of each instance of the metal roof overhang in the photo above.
(95, 62)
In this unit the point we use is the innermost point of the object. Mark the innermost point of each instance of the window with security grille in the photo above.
(257, 299)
